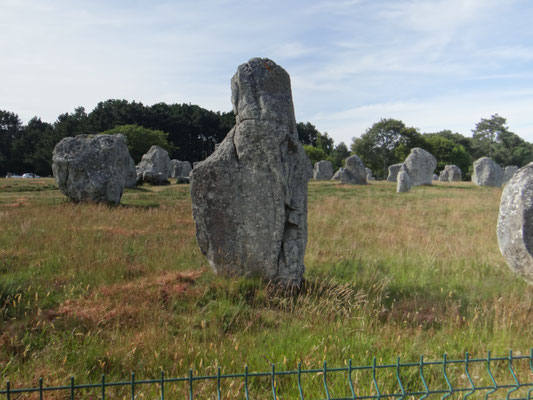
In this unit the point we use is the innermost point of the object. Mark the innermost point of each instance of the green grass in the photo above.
(91, 289)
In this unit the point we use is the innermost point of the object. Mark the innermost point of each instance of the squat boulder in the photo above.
(420, 165)
(487, 173)
(354, 171)
(323, 170)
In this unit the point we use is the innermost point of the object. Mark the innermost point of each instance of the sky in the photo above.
(434, 64)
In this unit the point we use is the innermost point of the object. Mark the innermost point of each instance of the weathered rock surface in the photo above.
(337, 175)
(92, 168)
(420, 165)
(487, 173)
(155, 166)
(323, 170)
(180, 168)
(250, 196)
(454, 173)
(508, 173)
(435, 177)
(443, 176)
(393, 172)
(354, 171)
(131, 175)
(515, 223)
(403, 181)
(369, 175)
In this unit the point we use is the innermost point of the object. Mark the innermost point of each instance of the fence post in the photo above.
(71, 388)
(103, 386)
(162, 385)
(399, 378)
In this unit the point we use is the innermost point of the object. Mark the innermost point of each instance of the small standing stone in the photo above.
(155, 167)
(92, 168)
(403, 183)
(323, 170)
(369, 175)
(354, 171)
(515, 223)
(443, 176)
(508, 173)
(454, 173)
(393, 172)
(337, 175)
(487, 173)
(180, 169)
(420, 165)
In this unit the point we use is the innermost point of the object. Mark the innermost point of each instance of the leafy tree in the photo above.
(140, 139)
(325, 143)
(485, 134)
(338, 155)
(384, 143)
(447, 152)
(314, 154)
(307, 133)
(10, 126)
(510, 149)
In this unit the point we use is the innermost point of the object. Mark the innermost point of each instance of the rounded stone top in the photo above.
(261, 89)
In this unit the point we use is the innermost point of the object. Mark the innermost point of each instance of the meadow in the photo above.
(91, 289)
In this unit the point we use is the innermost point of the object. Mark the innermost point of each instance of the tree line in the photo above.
(190, 132)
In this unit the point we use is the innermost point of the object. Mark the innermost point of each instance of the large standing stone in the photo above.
(323, 170)
(92, 168)
(337, 175)
(403, 182)
(155, 166)
(250, 196)
(454, 173)
(354, 171)
(515, 223)
(420, 165)
(508, 173)
(487, 173)
(393, 172)
(180, 169)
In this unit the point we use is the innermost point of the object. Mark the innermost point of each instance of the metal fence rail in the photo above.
(508, 377)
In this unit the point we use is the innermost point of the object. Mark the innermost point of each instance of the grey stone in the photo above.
(508, 173)
(183, 179)
(250, 196)
(180, 168)
(487, 173)
(435, 177)
(420, 165)
(403, 182)
(354, 171)
(454, 173)
(155, 166)
(92, 168)
(323, 170)
(443, 176)
(337, 175)
(131, 175)
(194, 164)
(369, 175)
(393, 172)
(515, 223)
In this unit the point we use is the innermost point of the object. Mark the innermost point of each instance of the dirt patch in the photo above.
(20, 202)
(129, 302)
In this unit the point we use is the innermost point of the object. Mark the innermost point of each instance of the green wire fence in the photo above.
(386, 381)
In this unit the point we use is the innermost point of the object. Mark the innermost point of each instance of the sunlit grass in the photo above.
(91, 289)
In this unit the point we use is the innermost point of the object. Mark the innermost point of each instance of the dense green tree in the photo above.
(315, 154)
(307, 133)
(510, 149)
(325, 143)
(386, 142)
(338, 155)
(448, 152)
(10, 126)
(486, 133)
(140, 139)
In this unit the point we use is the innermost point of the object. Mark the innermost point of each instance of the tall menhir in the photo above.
(250, 196)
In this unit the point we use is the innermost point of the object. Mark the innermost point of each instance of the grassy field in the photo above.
(90, 289)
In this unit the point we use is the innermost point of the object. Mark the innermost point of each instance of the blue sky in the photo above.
(434, 64)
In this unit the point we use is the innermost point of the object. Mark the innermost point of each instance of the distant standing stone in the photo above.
(354, 171)
(403, 183)
(435, 177)
(250, 196)
(92, 168)
(393, 172)
(454, 173)
(369, 175)
(508, 173)
(443, 176)
(515, 223)
(131, 174)
(323, 170)
(420, 165)
(180, 168)
(337, 175)
(487, 173)
(154, 167)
